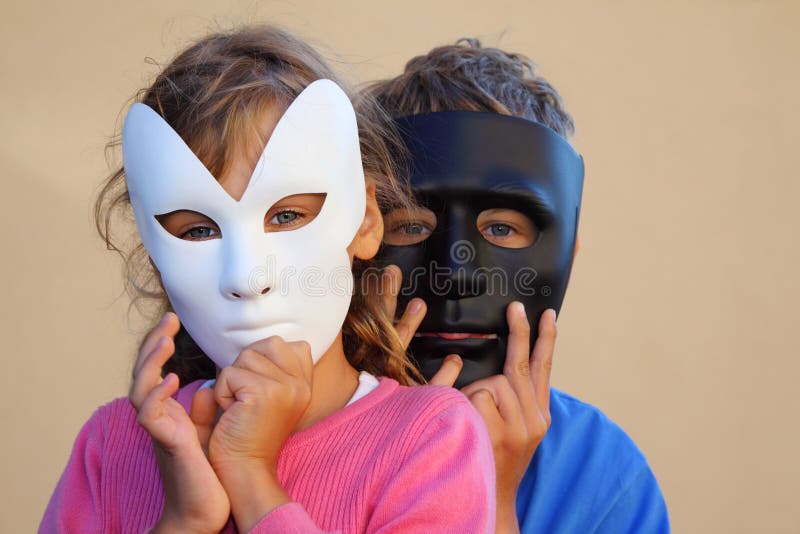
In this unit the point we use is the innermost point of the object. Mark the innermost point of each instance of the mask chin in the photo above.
(481, 357)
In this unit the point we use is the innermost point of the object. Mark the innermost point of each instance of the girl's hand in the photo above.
(264, 394)
(515, 405)
(195, 501)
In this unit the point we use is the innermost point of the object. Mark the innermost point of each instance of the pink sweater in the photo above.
(399, 460)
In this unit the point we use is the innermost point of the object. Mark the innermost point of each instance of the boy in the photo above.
(499, 193)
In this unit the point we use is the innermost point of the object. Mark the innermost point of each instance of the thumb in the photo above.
(203, 414)
(448, 372)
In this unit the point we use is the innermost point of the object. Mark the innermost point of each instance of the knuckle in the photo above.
(248, 356)
(272, 343)
(500, 382)
(523, 368)
(223, 375)
(517, 440)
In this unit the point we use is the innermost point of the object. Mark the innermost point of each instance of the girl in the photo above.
(241, 127)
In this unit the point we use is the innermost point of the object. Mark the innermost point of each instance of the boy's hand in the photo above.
(515, 405)
(194, 498)
(390, 284)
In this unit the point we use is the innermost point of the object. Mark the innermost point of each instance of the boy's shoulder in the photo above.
(589, 430)
(587, 462)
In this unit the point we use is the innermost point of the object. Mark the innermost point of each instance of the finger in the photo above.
(448, 372)
(149, 373)
(291, 358)
(167, 327)
(484, 403)
(517, 365)
(391, 278)
(257, 362)
(412, 317)
(203, 414)
(236, 384)
(542, 360)
(505, 398)
(303, 351)
(153, 405)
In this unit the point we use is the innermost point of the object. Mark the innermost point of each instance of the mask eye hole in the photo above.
(507, 228)
(408, 227)
(293, 212)
(189, 225)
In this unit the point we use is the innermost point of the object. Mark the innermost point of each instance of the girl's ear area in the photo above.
(370, 234)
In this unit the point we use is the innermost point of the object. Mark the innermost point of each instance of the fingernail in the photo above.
(415, 306)
(519, 309)
(455, 358)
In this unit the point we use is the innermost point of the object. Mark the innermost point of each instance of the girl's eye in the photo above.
(286, 217)
(499, 230)
(200, 233)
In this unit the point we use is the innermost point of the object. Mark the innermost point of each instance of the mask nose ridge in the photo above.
(247, 270)
(458, 254)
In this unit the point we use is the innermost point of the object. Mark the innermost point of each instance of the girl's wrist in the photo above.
(253, 489)
(170, 523)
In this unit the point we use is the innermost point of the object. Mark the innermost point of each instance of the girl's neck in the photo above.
(333, 385)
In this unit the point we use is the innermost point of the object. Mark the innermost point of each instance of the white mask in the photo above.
(218, 287)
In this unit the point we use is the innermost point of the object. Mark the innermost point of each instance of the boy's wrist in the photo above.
(507, 522)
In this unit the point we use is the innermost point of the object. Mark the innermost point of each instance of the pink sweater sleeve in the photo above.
(446, 482)
(290, 518)
(76, 502)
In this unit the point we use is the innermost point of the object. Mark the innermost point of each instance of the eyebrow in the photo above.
(517, 190)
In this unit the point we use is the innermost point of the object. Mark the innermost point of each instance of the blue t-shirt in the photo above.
(588, 476)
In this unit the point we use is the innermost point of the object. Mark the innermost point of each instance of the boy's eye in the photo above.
(408, 227)
(507, 228)
(499, 230)
(412, 228)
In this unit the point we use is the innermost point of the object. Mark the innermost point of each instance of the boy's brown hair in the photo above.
(467, 76)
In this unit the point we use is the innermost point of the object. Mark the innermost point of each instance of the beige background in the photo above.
(680, 322)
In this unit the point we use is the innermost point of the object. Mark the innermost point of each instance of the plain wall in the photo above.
(680, 322)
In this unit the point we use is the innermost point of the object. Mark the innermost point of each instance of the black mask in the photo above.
(463, 163)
